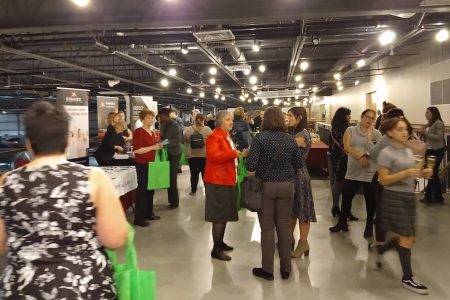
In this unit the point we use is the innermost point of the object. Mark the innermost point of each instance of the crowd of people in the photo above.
(64, 227)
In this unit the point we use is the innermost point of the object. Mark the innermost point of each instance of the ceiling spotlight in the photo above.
(184, 50)
(338, 83)
(361, 63)
(242, 98)
(223, 98)
(113, 82)
(337, 76)
(442, 35)
(246, 72)
(289, 99)
(387, 37)
(4, 112)
(265, 101)
(164, 82)
(173, 72)
(254, 88)
(340, 88)
(301, 85)
(304, 66)
(249, 100)
(212, 81)
(218, 90)
(316, 41)
(213, 70)
(256, 46)
(356, 82)
(81, 3)
(189, 90)
(246, 95)
(298, 78)
(315, 89)
(296, 97)
(262, 68)
(216, 96)
(202, 94)
(253, 79)
(297, 103)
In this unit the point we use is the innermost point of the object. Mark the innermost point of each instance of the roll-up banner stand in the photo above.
(105, 106)
(75, 101)
(138, 103)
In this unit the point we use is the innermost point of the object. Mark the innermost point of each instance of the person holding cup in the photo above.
(397, 171)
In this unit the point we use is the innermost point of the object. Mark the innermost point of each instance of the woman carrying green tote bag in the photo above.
(159, 171)
(132, 283)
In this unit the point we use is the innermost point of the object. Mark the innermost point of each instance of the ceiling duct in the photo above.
(239, 68)
(435, 3)
(214, 36)
(282, 94)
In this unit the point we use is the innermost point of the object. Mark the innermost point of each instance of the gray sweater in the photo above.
(435, 135)
(172, 132)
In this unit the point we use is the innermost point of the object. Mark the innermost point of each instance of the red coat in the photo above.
(220, 159)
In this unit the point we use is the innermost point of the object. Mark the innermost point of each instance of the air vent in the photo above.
(214, 36)
(435, 3)
(239, 68)
(282, 94)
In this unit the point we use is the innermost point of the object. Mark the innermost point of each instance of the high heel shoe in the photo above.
(335, 211)
(339, 227)
(302, 248)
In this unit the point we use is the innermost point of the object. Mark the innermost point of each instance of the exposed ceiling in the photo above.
(45, 44)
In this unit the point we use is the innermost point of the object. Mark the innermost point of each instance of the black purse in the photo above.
(252, 187)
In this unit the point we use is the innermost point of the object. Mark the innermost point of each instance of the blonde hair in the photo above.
(239, 112)
(121, 125)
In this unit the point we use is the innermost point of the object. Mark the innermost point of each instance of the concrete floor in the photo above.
(340, 265)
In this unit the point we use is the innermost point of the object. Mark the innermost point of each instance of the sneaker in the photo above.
(414, 286)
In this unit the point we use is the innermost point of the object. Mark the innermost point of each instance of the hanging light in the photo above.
(184, 49)
(213, 70)
(189, 90)
(301, 85)
(315, 89)
(253, 79)
(173, 72)
(202, 94)
(254, 88)
(212, 81)
(81, 3)
(361, 63)
(356, 82)
(265, 101)
(297, 103)
(262, 68)
(164, 82)
(296, 97)
(246, 95)
(442, 35)
(218, 90)
(337, 76)
(246, 72)
(216, 96)
(256, 46)
(304, 66)
(387, 37)
(298, 78)
(338, 83)
(242, 98)
(223, 98)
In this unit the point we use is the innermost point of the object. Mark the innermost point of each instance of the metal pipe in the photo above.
(296, 51)
(73, 66)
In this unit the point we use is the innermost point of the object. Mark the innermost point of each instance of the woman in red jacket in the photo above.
(220, 182)
(144, 146)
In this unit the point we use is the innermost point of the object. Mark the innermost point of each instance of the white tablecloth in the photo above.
(123, 177)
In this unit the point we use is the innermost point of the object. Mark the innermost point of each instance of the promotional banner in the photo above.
(105, 105)
(138, 103)
(75, 102)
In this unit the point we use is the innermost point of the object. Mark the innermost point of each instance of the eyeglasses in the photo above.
(367, 117)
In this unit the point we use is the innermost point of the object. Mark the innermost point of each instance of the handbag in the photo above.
(183, 159)
(241, 175)
(252, 187)
(131, 282)
(159, 171)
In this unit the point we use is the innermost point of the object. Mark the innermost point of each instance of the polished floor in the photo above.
(340, 265)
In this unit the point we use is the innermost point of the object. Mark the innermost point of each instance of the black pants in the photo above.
(433, 191)
(350, 189)
(172, 191)
(380, 234)
(144, 197)
(196, 166)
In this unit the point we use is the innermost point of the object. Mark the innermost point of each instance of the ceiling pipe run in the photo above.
(6, 49)
(296, 51)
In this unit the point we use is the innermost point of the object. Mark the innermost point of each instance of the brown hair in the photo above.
(239, 112)
(368, 110)
(299, 112)
(390, 124)
(111, 116)
(387, 107)
(199, 120)
(144, 113)
(274, 119)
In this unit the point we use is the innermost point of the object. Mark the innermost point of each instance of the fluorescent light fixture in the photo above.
(340, 88)
(301, 85)
(262, 68)
(442, 35)
(356, 82)
(212, 81)
(387, 37)
(218, 90)
(304, 65)
(189, 90)
(253, 79)
(202, 94)
(213, 70)
(315, 89)
(298, 78)
(81, 3)
(173, 72)
(361, 63)
(164, 82)
(337, 76)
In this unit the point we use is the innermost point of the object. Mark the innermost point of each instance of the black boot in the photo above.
(368, 231)
(341, 224)
(335, 211)
(219, 254)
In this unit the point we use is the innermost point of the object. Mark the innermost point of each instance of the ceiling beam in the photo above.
(296, 51)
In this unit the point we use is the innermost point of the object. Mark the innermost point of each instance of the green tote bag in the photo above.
(241, 175)
(132, 283)
(183, 160)
(159, 171)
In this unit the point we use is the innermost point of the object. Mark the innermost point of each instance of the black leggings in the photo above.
(196, 166)
(433, 191)
(144, 197)
(351, 187)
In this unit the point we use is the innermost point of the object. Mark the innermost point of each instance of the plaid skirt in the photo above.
(397, 212)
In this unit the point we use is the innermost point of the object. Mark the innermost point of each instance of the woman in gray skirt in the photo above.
(398, 171)
(220, 182)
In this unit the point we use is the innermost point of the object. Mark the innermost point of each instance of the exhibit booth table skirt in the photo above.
(221, 203)
(398, 212)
